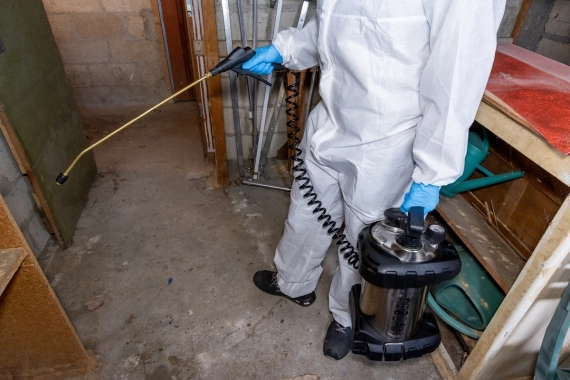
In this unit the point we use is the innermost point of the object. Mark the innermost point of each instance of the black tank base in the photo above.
(366, 341)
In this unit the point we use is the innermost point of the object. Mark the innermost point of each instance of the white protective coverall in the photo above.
(400, 85)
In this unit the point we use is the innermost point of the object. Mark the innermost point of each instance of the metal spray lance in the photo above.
(232, 62)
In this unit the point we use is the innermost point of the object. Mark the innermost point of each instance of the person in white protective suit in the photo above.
(400, 85)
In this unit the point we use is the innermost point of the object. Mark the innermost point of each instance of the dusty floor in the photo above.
(158, 280)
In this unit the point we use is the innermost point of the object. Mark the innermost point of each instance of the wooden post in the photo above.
(215, 90)
(26, 168)
(532, 23)
(520, 20)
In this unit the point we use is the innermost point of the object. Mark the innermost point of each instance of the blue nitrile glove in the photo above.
(261, 63)
(426, 196)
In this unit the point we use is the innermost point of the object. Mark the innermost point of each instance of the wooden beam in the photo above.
(525, 141)
(195, 75)
(501, 262)
(490, 354)
(26, 168)
(533, 25)
(443, 363)
(523, 11)
(215, 91)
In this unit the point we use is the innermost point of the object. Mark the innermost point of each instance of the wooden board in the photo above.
(521, 16)
(530, 144)
(175, 28)
(507, 205)
(509, 346)
(443, 363)
(496, 256)
(39, 116)
(10, 260)
(212, 58)
(36, 336)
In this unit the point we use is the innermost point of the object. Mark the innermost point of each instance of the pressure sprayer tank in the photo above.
(399, 261)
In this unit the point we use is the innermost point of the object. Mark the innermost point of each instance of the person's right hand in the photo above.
(262, 61)
(426, 196)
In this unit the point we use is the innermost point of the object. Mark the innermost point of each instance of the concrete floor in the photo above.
(158, 280)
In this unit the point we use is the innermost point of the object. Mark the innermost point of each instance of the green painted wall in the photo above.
(40, 107)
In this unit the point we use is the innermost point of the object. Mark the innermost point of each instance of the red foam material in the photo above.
(537, 88)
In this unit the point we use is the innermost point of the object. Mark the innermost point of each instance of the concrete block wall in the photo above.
(16, 190)
(109, 49)
(507, 24)
(555, 41)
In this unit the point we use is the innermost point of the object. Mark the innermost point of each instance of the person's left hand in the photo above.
(426, 196)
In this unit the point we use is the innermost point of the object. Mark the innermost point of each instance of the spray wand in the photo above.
(233, 62)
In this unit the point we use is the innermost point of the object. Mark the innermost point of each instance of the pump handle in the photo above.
(412, 224)
(396, 215)
(415, 221)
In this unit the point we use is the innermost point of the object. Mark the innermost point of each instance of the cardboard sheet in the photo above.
(537, 89)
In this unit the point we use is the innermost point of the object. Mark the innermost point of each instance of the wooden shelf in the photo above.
(497, 257)
(10, 260)
(529, 143)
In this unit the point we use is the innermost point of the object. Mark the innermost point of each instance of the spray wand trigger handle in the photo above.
(240, 71)
(236, 58)
(412, 225)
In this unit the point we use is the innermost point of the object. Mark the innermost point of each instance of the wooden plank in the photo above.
(506, 206)
(454, 347)
(490, 356)
(26, 168)
(10, 260)
(525, 141)
(174, 19)
(196, 74)
(496, 256)
(443, 363)
(523, 11)
(215, 91)
(37, 337)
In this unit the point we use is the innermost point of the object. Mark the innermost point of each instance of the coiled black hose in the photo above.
(300, 175)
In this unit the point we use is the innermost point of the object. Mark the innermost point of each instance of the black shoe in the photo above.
(266, 280)
(338, 341)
